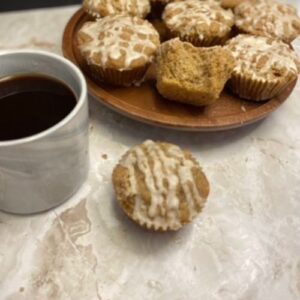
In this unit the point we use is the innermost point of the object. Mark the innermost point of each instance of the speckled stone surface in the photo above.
(245, 245)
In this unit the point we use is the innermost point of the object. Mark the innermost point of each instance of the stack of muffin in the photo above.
(197, 46)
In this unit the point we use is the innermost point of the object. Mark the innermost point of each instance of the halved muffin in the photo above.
(192, 75)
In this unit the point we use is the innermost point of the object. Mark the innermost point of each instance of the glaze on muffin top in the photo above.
(120, 42)
(268, 18)
(263, 58)
(102, 8)
(198, 17)
(160, 186)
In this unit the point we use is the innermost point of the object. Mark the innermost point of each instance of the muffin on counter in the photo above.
(159, 186)
(264, 67)
(118, 49)
(202, 23)
(103, 8)
(192, 75)
(268, 18)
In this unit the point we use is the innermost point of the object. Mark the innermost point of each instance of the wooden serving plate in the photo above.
(145, 104)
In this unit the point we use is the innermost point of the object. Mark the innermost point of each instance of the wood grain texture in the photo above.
(145, 104)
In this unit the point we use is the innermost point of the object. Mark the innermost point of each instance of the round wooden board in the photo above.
(145, 104)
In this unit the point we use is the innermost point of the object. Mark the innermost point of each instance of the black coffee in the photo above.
(32, 103)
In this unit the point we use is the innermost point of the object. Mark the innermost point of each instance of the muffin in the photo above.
(231, 3)
(103, 8)
(159, 186)
(264, 67)
(268, 18)
(117, 49)
(202, 23)
(192, 75)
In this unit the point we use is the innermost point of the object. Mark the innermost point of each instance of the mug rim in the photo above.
(72, 113)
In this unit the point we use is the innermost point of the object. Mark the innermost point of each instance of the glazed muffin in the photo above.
(192, 75)
(264, 67)
(118, 49)
(103, 8)
(268, 18)
(159, 186)
(198, 22)
(231, 3)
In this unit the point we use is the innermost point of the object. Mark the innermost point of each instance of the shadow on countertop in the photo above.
(12, 5)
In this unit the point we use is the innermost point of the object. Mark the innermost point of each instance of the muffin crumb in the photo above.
(192, 75)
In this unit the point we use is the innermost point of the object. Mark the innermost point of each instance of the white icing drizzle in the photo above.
(259, 56)
(190, 16)
(102, 8)
(164, 170)
(115, 37)
(269, 18)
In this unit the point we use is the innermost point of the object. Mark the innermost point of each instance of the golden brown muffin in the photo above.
(103, 8)
(202, 23)
(268, 18)
(160, 186)
(118, 49)
(192, 75)
(264, 67)
(231, 3)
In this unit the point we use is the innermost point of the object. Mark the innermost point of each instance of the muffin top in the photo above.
(194, 17)
(160, 186)
(102, 8)
(118, 42)
(268, 18)
(263, 58)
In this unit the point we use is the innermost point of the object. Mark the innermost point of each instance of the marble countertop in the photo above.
(245, 245)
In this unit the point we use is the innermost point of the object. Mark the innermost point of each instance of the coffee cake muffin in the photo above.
(201, 23)
(268, 18)
(103, 8)
(264, 67)
(159, 186)
(192, 75)
(118, 49)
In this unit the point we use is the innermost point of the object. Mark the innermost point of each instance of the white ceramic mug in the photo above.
(42, 171)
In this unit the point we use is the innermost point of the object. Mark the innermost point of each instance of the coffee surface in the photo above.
(31, 103)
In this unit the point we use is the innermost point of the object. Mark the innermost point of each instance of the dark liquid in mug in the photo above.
(30, 104)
